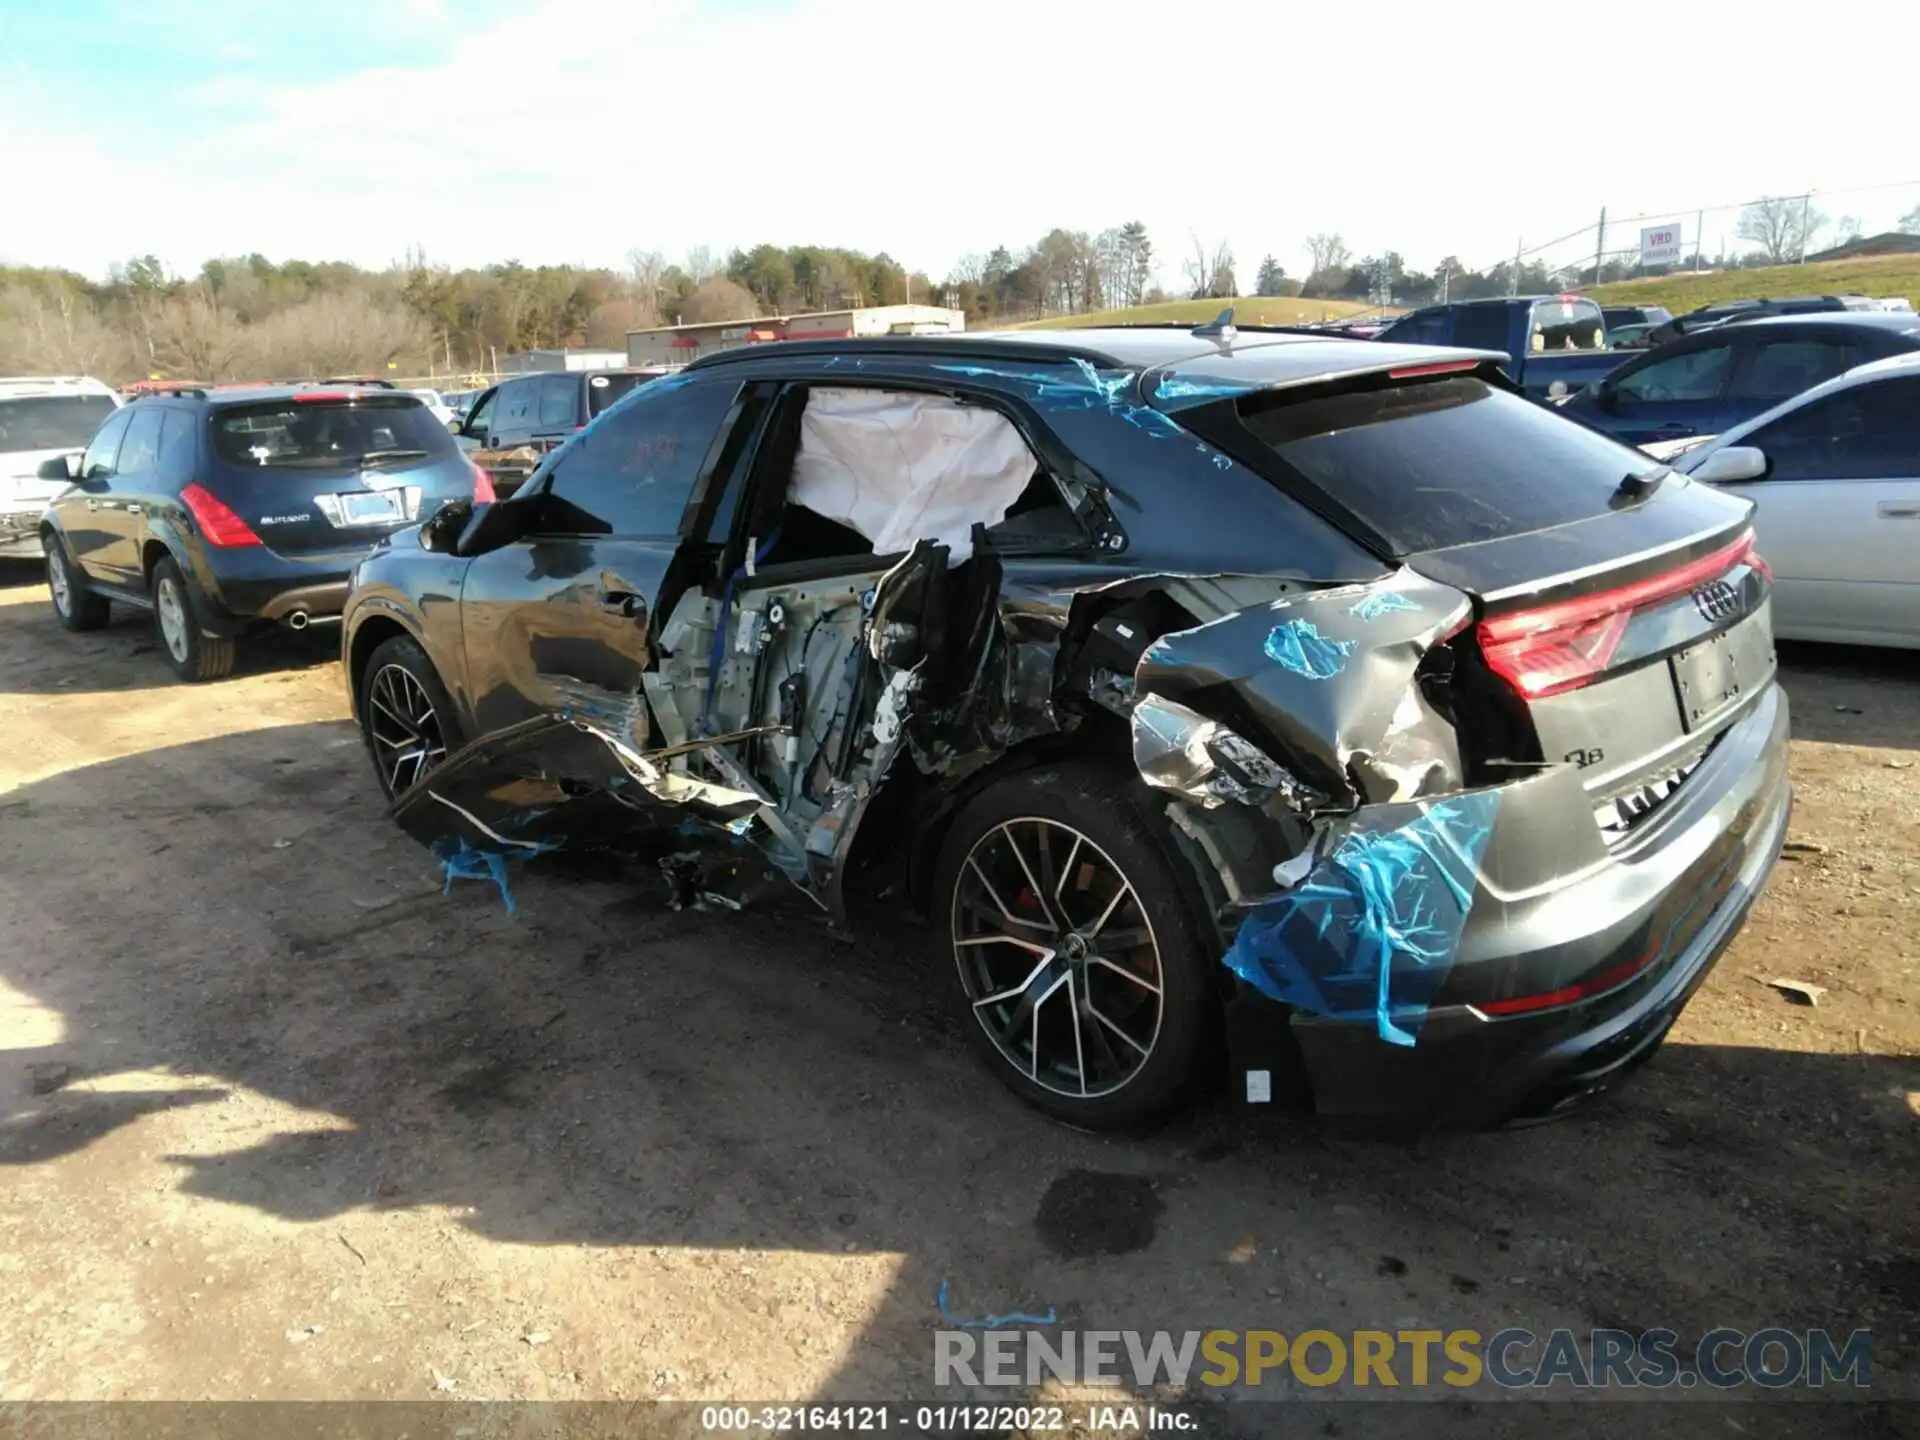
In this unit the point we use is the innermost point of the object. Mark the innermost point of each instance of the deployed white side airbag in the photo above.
(900, 468)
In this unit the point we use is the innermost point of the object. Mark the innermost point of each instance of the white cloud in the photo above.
(570, 131)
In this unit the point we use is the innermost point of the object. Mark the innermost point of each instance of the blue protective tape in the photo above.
(461, 861)
(1301, 647)
(1373, 929)
(1382, 602)
(1077, 387)
(1180, 391)
(989, 1322)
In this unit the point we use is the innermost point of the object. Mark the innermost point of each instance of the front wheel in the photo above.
(77, 607)
(406, 715)
(1083, 970)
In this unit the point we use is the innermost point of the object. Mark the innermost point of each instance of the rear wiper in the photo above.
(373, 455)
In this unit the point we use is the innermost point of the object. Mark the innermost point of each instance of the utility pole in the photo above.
(1806, 205)
(1600, 244)
(1513, 280)
(1699, 230)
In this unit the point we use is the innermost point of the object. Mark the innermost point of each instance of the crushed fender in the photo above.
(1179, 750)
(1373, 928)
(1331, 675)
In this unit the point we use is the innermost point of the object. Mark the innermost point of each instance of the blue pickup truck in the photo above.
(1555, 344)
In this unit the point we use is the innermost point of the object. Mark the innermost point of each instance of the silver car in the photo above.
(1835, 474)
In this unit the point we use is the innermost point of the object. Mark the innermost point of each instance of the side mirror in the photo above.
(1731, 466)
(494, 524)
(60, 467)
(1606, 397)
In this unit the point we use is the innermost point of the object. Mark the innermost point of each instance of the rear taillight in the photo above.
(1562, 647)
(483, 492)
(217, 523)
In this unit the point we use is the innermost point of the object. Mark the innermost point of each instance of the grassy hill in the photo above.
(1880, 275)
(1248, 310)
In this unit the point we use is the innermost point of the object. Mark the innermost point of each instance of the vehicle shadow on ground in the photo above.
(1840, 693)
(602, 1071)
(128, 653)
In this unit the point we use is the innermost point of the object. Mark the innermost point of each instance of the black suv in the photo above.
(1318, 699)
(222, 510)
(509, 428)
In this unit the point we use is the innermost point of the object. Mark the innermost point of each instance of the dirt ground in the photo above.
(283, 1121)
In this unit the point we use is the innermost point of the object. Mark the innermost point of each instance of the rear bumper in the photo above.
(1680, 891)
(243, 588)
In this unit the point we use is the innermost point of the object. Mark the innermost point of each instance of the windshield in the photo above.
(1445, 462)
(51, 422)
(315, 434)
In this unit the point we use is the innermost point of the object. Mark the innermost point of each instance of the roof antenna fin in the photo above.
(1219, 328)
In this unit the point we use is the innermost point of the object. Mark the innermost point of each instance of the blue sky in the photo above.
(575, 130)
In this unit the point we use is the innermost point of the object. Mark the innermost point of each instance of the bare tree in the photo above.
(1225, 285)
(58, 331)
(701, 264)
(346, 332)
(647, 268)
(195, 338)
(718, 298)
(1327, 251)
(1780, 225)
(1910, 222)
(1199, 270)
(967, 270)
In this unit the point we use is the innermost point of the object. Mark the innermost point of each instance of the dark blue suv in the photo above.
(1714, 380)
(226, 510)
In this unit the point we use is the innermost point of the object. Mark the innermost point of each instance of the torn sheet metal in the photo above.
(1371, 930)
(901, 468)
(1330, 674)
(1179, 750)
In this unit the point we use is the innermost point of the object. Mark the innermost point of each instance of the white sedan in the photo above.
(1835, 474)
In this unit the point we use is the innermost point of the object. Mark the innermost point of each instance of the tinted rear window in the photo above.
(316, 434)
(1481, 327)
(603, 390)
(51, 422)
(1567, 325)
(1444, 462)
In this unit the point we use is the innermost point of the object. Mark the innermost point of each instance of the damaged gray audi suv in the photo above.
(1314, 711)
